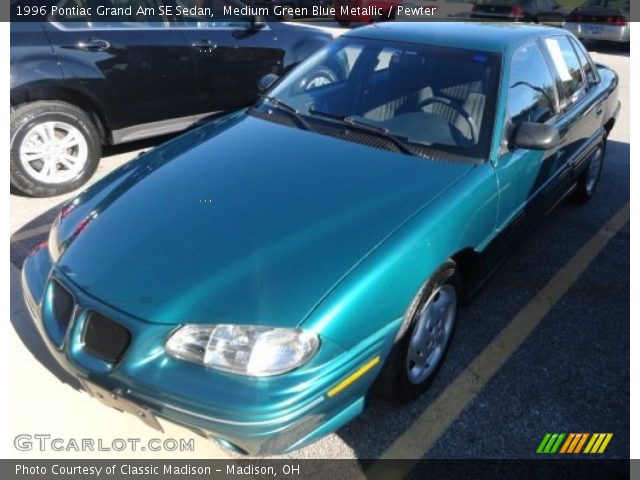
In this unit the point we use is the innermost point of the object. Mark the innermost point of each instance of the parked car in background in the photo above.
(537, 11)
(78, 83)
(345, 13)
(601, 20)
(341, 227)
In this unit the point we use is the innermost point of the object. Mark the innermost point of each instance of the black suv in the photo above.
(78, 83)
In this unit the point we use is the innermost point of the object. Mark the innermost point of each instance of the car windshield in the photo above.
(416, 96)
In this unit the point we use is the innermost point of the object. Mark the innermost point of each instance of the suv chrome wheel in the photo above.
(54, 152)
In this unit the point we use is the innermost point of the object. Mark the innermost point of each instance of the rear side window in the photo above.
(568, 69)
(587, 66)
(532, 93)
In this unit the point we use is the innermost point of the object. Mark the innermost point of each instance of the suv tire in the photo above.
(55, 148)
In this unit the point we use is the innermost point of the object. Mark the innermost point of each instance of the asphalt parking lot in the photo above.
(544, 347)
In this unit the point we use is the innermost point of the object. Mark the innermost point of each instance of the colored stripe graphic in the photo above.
(567, 443)
(604, 445)
(574, 443)
(555, 447)
(544, 441)
(583, 439)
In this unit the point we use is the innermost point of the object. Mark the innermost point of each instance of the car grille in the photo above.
(105, 338)
(62, 305)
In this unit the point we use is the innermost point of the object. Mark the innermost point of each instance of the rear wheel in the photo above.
(55, 148)
(418, 353)
(588, 180)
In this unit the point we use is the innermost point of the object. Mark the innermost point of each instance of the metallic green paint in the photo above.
(248, 221)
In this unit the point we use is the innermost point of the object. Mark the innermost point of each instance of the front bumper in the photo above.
(258, 416)
(597, 31)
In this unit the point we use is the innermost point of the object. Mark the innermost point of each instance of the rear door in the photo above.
(580, 101)
(135, 68)
(230, 52)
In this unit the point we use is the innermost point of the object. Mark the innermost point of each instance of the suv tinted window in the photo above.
(568, 68)
(532, 94)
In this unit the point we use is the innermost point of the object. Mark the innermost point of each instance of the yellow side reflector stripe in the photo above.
(353, 377)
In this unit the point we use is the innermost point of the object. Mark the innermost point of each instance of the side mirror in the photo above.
(536, 136)
(257, 22)
(266, 81)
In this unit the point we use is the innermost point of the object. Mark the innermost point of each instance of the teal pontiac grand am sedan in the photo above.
(256, 278)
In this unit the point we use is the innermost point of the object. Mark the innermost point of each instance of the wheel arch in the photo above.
(74, 98)
(468, 263)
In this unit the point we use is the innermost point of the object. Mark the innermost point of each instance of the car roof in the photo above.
(494, 37)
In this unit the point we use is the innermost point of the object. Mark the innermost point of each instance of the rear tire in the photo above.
(55, 148)
(588, 180)
(424, 340)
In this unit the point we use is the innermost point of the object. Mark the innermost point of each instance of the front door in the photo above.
(136, 68)
(523, 175)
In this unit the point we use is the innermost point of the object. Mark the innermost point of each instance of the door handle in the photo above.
(204, 44)
(599, 110)
(94, 45)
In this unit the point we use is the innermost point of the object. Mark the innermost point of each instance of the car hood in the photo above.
(240, 221)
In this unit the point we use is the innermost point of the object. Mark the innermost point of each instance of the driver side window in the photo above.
(532, 93)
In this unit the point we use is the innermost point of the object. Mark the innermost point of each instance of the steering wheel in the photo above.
(460, 111)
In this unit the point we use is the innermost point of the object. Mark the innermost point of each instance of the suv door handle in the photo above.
(93, 45)
(204, 44)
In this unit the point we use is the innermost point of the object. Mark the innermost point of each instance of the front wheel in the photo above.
(588, 180)
(55, 148)
(424, 339)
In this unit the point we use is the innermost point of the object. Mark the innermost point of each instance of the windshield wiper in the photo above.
(366, 127)
(284, 107)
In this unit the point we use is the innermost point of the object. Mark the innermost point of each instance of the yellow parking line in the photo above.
(420, 437)
(32, 232)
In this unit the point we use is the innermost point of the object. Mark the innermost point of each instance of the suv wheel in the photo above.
(55, 148)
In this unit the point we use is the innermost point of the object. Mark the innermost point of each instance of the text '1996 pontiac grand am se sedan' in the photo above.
(255, 278)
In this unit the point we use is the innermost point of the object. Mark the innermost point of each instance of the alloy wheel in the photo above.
(54, 152)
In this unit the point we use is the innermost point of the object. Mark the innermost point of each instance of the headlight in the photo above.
(244, 349)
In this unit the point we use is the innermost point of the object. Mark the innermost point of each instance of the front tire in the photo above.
(55, 148)
(424, 339)
(588, 180)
